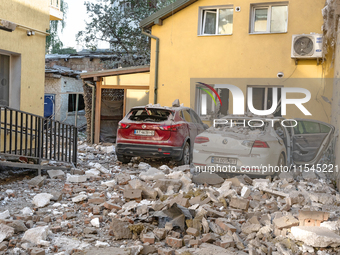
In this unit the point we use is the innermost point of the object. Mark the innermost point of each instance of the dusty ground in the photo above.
(154, 207)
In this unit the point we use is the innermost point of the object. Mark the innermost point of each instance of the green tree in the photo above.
(53, 43)
(117, 22)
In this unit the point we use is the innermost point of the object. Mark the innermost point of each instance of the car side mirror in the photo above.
(205, 126)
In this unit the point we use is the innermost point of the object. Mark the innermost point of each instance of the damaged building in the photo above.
(64, 95)
(109, 95)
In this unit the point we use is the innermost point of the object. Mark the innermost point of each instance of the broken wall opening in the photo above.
(112, 103)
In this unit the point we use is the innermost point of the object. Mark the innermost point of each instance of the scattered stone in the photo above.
(42, 199)
(36, 181)
(36, 235)
(37, 251)
(208, 178)
(5, 232)
(174, 242)
(312, 218)
(133, 194)
(239, 203)
(285, 222)
(123, 178)
(4, 215)
(120, 229)
(76, 178)
(79, 198)
(316, 236)
(54, 174)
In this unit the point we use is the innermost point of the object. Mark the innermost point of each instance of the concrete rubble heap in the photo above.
(103, 207)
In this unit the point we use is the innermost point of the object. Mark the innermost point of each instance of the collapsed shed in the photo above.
(109, 95)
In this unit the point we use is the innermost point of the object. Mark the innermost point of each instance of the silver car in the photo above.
(269, 147)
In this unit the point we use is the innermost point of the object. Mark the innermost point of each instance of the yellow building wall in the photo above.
(31, 49)
(186, 57)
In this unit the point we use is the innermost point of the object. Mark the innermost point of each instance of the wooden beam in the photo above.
(124, 87)
(124, 105)
(113, 72)
(98, 111)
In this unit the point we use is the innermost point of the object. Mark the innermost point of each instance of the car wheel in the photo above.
(124, 159)
(282, 160)
(186, 155)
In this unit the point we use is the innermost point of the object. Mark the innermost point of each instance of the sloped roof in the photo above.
(165, 12)
(113, 72)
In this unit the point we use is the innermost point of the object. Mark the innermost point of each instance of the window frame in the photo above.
(199, 104)
(266, 87)
(269, 13)
(9, 77)
(68, 103)
(201, 19)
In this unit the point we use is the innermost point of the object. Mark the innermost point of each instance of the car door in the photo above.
(198, 122)
(309, 140)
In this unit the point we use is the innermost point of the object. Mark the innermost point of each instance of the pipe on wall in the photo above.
(156, 63)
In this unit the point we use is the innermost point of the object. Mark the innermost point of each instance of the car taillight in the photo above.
(260, 144)
(123, 125)
(170, 127)
(201, 139)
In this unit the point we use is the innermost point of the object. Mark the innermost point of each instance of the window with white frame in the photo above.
(263, 98)
(4, 79)
(216, 21)
(269, 18)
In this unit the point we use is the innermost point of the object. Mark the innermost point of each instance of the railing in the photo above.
(55, 4)
(35, 138)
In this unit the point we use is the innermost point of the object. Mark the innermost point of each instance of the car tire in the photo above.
(186, 155)
(282, 160)
(124, 159)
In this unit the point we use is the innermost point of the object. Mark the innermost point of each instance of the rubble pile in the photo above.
(103, 207)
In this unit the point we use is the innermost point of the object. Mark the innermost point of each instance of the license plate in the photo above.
(144, 132)
(227, 161)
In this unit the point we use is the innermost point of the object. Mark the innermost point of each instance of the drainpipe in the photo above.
(156, 63)
(92, 108)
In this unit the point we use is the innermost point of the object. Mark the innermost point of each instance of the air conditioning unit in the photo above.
(307, 46)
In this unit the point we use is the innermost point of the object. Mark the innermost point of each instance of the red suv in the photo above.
(158, 132)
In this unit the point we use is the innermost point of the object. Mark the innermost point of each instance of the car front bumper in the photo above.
(149, 151)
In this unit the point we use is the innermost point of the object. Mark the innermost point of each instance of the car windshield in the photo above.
(149, 114)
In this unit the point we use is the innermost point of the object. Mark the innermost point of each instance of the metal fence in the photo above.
(35, 138)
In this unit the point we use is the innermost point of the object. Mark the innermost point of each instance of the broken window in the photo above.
(72, 102)
(4, 79)
(269, 18)
(149, 114)
(207, 102)
(263, 99)
(217, 21)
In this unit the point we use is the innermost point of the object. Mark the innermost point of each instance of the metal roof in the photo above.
(165, 12)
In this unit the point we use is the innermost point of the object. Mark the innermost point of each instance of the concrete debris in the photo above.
(4, 215)
(152, 174)
(79, 198)
(42, 199)
(76, 178)
(316, 236)
(37, 235)
(55, 174)
(5, 232)
(208, 178)
(105, 207)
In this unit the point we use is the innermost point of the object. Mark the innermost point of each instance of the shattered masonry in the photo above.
(110, 208)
